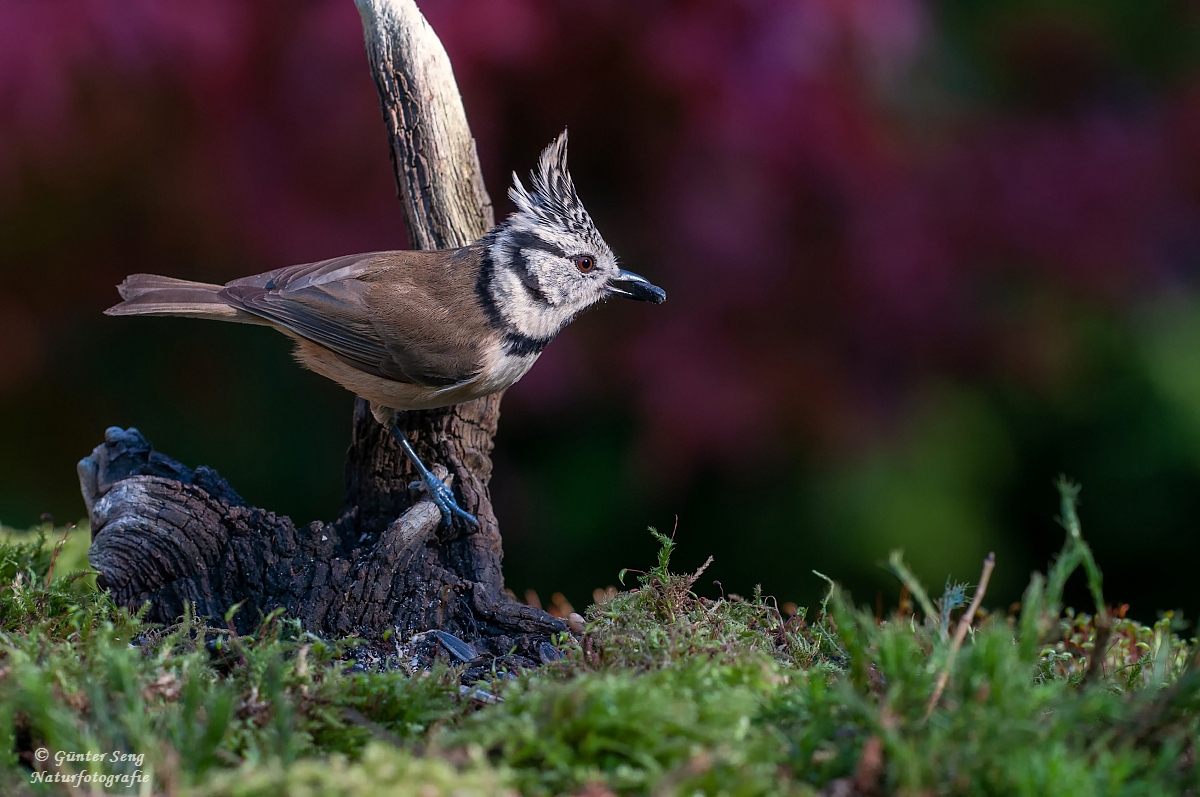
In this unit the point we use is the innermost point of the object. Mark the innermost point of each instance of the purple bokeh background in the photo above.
(848, 201)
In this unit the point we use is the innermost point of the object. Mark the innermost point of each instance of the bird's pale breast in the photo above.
(499, 371)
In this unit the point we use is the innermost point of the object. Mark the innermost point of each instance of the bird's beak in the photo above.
(637, 287)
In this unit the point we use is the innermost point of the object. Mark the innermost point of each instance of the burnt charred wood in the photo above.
(173, 536)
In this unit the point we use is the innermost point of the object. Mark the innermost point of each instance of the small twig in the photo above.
(774, 600)
(694, 577)
(1104, 626)
(960, 634)
(54, 556)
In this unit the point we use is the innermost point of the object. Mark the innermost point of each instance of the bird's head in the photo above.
(548, 261)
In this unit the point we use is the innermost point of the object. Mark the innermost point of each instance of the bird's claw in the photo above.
(443, 496)
(439, 493)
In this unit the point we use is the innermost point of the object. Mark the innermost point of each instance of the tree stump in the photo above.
(164, 533)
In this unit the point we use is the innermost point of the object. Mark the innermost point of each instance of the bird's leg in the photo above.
(442, 495)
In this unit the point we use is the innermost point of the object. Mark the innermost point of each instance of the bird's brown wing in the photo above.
(378, 312)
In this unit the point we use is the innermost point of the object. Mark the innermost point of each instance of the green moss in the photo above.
(662, 622)
(664, 692)
(628, 732)
(381, 771)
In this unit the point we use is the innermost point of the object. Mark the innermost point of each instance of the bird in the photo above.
(420, 329)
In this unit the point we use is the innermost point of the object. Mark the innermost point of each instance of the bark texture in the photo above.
(172, 535)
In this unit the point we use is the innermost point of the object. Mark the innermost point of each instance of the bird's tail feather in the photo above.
(150, 294)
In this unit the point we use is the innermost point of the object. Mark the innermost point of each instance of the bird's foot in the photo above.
(443, 496)
(439, 493)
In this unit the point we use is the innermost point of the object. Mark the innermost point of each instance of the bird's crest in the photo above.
(553, 199)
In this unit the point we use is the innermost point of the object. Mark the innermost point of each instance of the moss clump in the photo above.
(662, 622)
(629, 732)
(380, 771)
(664, 692)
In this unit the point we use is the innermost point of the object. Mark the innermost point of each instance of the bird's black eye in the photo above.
(585, 263)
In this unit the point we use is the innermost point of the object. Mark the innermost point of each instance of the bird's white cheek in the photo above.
(526, 315)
